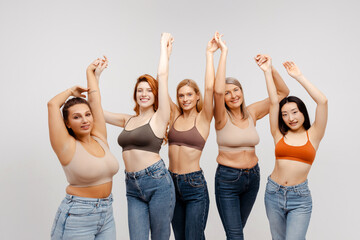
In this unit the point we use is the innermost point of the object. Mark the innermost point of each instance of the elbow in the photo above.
(323, 101)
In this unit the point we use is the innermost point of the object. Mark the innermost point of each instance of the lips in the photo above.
(85, 127)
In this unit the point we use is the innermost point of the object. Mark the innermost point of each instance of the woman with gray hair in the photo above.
(238, 175)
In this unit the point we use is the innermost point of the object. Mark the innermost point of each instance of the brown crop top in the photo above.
(86, 170)
(233, 138)
(141, 138)
(305, 153)
(189, 138)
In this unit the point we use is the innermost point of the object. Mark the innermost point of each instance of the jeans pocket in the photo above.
(228, 175)
(82, 209)
(197, 181)
(57, 215)
(271, 188)
(158, 173)
(304, 192)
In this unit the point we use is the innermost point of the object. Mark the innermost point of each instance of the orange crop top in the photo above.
(305, 153)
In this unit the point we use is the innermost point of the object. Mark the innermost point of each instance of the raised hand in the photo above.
(77, 91)
(212, 45)
(292, 69)
(166, 43)
(264, 62)
(103, 63)
(221, 43)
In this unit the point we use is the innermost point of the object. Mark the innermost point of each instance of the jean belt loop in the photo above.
(98, 203)
(70, 199)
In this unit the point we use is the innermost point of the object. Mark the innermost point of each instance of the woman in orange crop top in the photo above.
(79, 140)
(287, 198)
(237, 176)
(189, 128)
(149, 188)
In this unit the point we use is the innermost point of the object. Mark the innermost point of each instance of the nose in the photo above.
(291, 117)
(232, 95)
(84, 119)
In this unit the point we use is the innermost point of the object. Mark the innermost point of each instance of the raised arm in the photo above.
(261, 108)
(318, 127)
(162, 114)
(208, 109)
(267, 68)
(93, 73)
(60, 139)
(219, 91)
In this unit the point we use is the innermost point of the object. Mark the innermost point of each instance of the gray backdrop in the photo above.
(47, 45)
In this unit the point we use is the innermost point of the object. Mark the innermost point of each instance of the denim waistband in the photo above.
(288, 188)
(251, 170)
(158, 165)
(99, 201)
(186, 175)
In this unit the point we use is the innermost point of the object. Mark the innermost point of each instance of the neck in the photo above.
(146, 111)
(84, 138)
(190, 113)
(236, 113)
(297, 131)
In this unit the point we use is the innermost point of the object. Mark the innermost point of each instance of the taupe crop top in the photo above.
(141, 138)
(233, 138)
(86, 170)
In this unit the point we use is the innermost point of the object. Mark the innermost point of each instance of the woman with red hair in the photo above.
(149, 188)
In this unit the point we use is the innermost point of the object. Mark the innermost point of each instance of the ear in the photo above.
(67, 124)
(198, 96)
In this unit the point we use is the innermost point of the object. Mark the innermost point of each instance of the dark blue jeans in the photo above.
(151, 199)
(236, 191)
(192, 205)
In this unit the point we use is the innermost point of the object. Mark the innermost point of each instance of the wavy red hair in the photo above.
(154, 89)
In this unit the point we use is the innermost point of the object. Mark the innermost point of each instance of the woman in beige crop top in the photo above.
(237, 176)
(296, 142)
(150, 191)
(79, 140)
(189, 128)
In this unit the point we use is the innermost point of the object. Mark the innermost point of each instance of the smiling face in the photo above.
(80, 119)
(187, 98)
(292, 116)
(144, 95)
(233, 96)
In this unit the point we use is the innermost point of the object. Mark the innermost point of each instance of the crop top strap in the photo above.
(128, 121)
(307, 134)
(175, 120)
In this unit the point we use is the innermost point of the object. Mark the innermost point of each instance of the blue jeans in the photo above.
(288, 209)
(84, 218)
(151, 199)
(192, 205)
(236, 191)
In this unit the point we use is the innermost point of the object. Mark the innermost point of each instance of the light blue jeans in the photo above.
(288, 209)
(84, 219)
(151, 200)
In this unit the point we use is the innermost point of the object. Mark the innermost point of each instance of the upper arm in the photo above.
(259, 109)
(60, 138)
(117, 119)
(208, 109)
(319, 125)
(219, 111)
(174, 110)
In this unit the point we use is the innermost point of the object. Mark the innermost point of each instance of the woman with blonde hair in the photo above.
(149, 188)
(189, 129)
(79, 139)
(288, 199)
(238, 175)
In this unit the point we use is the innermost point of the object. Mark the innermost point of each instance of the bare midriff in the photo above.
(136, 160)
(242, 159)
(290, 172)
(183, 159)
(98, 191)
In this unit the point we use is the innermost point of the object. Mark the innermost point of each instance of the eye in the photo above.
(226, 93)
(189, 94)
(88, 114)
(236, 89)
(149, 90)
(76, 117)
(284, 114)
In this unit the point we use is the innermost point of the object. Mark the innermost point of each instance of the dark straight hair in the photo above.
(302, 108)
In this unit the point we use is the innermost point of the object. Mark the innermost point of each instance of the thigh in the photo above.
(178, 220)
(161, 205)
(228, 204)
(197, 208)
(275, 212)
(298, 217)
(138, 218)
(248, 197)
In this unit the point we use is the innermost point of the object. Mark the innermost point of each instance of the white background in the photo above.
(47, 45)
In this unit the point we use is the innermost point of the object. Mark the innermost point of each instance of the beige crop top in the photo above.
(233, 138)
(86, 170)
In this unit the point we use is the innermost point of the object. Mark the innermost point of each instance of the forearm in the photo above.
(281, 87)
(221, 74)
(271, 88)
(163, 71)
(209, 72)
(60, 99)
(314, 92)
